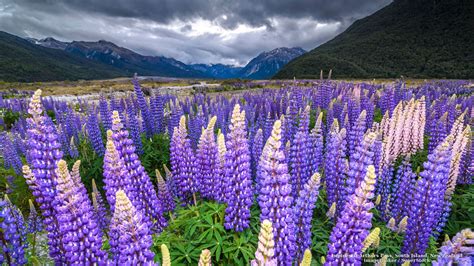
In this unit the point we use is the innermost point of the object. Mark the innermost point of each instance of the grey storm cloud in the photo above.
(194, 31)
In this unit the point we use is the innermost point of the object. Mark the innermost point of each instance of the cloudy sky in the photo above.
(193, 31)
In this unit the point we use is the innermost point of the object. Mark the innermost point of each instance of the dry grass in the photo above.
(88, 87)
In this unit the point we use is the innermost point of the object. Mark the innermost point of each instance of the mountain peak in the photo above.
(266, 64)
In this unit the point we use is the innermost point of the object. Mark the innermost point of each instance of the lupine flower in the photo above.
(105, 115)
(205, 258)
(115, 174)
(11, 158)
(372, 240)
(257, 147)
(183, 162)
(274, 198)
(13, 234)
(94, 133)
(352, 227)
(80, 232)
(457, 251)
(170, 181)
(100, 211)
(336, 166)
(265, 254)
(460, 137)
(358, 165)
(164, 194)
(219, 189)
(142, 103)
(303, 212)
(427, 201)
(306, 258)
(238, 189)
(316, 144)
(467, 164)
(356, 134)
(43, 154)
(402, 191)
(34, 220)
(165, 254)
(146, 197)
(300, 163)
(134, 128)
(207, 163)
(130, 236)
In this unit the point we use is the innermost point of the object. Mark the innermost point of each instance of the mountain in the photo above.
(218, 71)
(24, 61)
(130, 61)
(49, 59)
(266, 64)
(411, 38)
(49, 42)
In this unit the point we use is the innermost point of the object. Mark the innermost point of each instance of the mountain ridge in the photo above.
(416, 39)
(263, 66)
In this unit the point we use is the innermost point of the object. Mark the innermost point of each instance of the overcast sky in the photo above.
(193, 31)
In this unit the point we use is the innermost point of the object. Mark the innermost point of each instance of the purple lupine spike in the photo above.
(303, 211)
(356, 134)
(176, 113)
(100, 211)
(146, 194)
(238, 189)
(183, 162)
(274, 198)
(207, 160)
(383, 189)
(94, 134)
(316, 143)
(403, 188)
(115, 174)
(10, 155)
(427, 201)
(299, 161)
(80, 232)
(134, 129)
(170, 182)
(336, 166)
(438, 132)
(353, 225)
(13, 234)
(257, 147)
(130, 236)
(35, 224)
(142, 103)
(164, 194)
(466, 172)
(359, 160)
(43, 154)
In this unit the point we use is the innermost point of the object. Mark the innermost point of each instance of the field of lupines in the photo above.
(317, 172)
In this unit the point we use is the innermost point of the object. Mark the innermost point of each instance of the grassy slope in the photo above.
(26, 62)
(413, 38)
